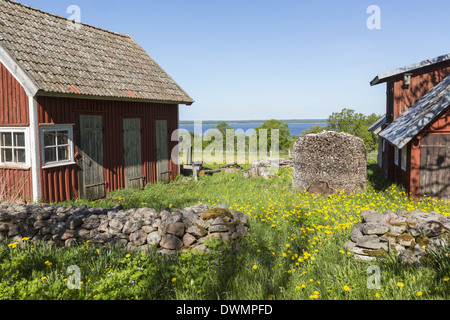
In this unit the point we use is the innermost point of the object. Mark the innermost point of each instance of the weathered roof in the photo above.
(377, 126)
(61, 57)
(384, 76)
(416, 118)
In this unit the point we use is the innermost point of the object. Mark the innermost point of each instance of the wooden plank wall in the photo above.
(59, 184)
(15, 184)
(13, 100)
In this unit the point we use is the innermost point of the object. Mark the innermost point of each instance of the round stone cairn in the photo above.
(409, 234)
(169, 231)
(329, 162)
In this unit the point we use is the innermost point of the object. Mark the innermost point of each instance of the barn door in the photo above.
(133, 154)
(90, 161)
(162, 152)
(435, 166)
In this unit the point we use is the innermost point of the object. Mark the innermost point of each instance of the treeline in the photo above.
(347, 121)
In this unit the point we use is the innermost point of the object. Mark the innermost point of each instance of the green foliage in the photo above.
(357, 124)
(286, 140)
(294, 250)
(313, 130)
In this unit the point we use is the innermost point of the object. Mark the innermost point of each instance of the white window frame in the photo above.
(27, 163)
(50, 128)
(404, 157)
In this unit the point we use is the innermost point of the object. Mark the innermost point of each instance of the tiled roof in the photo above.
(62, 59)
(416, 118)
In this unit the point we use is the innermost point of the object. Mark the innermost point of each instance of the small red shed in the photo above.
(83, 110)
(415, 133)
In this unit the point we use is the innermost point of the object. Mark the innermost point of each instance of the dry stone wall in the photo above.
(409, 234)
(169, 230)
(329, 162)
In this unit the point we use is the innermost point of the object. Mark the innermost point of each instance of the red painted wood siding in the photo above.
(421, 83)
(13, 100)
(15, 184)
(60, 183)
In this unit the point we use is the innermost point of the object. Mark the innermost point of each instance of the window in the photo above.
(396, 151)
(13, 147)
(57, 146)
(404, 157)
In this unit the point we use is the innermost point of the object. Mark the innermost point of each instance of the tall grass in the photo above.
(295, 249)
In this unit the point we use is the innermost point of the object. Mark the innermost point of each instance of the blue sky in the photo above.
(273, 59)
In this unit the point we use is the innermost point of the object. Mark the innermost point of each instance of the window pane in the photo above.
(50, 155)
(20, 156)
(19, 139)
(63, 153)
(50, 139)
(7, 155)
(63, 138)
(6, 139)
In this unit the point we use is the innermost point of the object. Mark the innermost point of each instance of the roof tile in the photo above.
(61, 58)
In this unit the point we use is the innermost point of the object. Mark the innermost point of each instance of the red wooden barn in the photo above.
(415, 133)
(83, 111)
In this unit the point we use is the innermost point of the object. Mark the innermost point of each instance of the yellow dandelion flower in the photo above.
(400, 284)
(419, 294)
(255, 267)
(446, 278)
(346, 288)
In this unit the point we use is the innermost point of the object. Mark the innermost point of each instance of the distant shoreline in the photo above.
(292, 121)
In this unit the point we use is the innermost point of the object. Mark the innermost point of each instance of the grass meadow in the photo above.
(294, 251)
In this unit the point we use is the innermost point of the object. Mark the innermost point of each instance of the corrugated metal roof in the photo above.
(416, 118)
(384, 76)
(377, 126)
(62, 59)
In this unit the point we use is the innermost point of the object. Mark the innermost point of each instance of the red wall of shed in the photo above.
(60, 183)
(15, 184)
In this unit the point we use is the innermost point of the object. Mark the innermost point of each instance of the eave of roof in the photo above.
(415, 119)
(383, 77)
(377, 126)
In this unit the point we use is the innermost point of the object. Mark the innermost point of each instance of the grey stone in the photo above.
(4, 227)
(176, 229)
(173, 218)
(57, 228)
(116, 224)
(153, 238)
(91, 223)
(432, 228)
(82, 234)
(171, 242)
(217, 221)
(412, 255)
(13, 231)
(196, 231)
(138, 238)
(131, 226)
(100, 238)
(188, 239)
(218, 228)
(376, 228)
(356, 232)
(148, 229)
(74, 223)
(369, 242)
(415, 232)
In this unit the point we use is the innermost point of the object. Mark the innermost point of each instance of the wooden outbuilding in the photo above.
(415, 132)
(83, 111)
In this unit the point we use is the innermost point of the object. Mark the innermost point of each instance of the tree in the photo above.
(314, 130)
(286, 140)
(356, 124)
